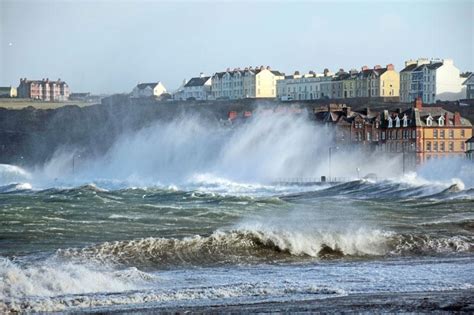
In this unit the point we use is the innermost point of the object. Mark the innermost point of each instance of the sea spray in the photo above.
(265, 148)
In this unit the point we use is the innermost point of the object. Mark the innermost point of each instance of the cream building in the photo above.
(377, 82)
(251, 82)
(8, 91)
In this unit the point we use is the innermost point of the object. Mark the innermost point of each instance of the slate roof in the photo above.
(433, 66)
(142, 86)
(197, 81)
(409, 68)
(417, 117)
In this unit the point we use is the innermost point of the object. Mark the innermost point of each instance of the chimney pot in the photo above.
(418, 103)
(457, 119)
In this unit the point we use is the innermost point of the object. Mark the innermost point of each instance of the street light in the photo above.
(330, 152)
(403, 155)
(73, 162)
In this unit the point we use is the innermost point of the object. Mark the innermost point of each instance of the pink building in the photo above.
(45, 90)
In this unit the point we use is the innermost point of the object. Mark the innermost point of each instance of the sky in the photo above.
(110, 46)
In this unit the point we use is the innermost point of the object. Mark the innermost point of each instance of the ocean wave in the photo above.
(266, 245)
(15, 187)
(57, 278)
(385, 189)
(56, 285)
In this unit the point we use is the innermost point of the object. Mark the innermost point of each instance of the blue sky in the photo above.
(110, 46)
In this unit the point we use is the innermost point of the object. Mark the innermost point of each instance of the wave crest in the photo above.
(260, 245)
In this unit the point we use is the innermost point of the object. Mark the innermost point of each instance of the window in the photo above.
(441, 121)
(451, 133)
(451, 146)
(462, 145)
(429, 121)
(441, 146)
(428, 146)
(435, 133)
(463, 133)
(442, 135)
(383, 135)
(435, 146)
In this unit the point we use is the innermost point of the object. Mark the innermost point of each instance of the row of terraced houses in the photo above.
(432, 80)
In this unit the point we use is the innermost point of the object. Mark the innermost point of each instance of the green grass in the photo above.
(20, 103)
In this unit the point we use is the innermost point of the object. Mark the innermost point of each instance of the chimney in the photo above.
(364, 68)
(201, 75)
(368, 111)
(418, 103)
(457, 119)
(347, 111)
(446, 119)
(390, 67)
(409, 62)
(376, 67)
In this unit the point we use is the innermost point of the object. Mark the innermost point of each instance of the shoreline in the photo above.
(460, 301)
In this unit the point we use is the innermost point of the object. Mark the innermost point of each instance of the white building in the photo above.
(431, 80)
(198, 88)
(309, 86)
(148, 90)
(260, 82)
(469, 83)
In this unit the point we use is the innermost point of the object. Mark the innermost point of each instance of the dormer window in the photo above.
(441, 121)
(429, 121)
(405, 121)
(390, 122)
(397, 122)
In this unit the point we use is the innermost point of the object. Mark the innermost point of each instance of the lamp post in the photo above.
(329, 161)
(74, 162)
(403, 155)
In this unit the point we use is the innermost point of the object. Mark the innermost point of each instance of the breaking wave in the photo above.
(257, 246)
(56, 285)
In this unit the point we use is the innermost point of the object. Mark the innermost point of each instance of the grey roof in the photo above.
(197, 81)
(433, 66)
(469, 80)
(409, 67)
(142, 86)
(470, 140)
(417, 117)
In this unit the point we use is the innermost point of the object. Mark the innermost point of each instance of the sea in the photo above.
(204, 222)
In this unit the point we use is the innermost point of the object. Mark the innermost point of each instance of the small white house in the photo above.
(198, 88)
(148, 90)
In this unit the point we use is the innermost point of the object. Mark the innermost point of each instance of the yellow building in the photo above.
(389, 82)
(378, 82)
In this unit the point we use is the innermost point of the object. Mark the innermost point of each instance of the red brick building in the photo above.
(418, 133)
(45, 90)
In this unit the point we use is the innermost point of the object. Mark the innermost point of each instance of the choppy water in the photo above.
(83, 247)
(185, 214)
